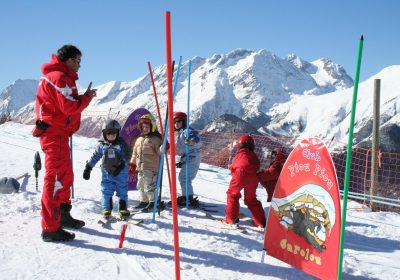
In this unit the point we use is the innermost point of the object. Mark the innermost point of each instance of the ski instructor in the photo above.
(58, 110)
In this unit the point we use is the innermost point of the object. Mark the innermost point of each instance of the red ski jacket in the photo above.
(245, 161)
(57, 101)
(271, 174)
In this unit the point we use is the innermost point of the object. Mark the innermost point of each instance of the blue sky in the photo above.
(118, 37)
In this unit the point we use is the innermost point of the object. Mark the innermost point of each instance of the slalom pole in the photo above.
(122, 235)
(172, 145)
(187, 138)
(348, 157)
(166, 157)
(155, 96)
(164, 145)
(72, 164)
(159, 117)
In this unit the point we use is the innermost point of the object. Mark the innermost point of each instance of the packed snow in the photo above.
(208, 250)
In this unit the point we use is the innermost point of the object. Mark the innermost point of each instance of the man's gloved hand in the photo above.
(132, 168)
(179, 164)
(86, 172)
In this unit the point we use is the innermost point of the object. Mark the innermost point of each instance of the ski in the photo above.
(208, 210)
(243, 216)
(208, 205)
(147, 209)
(135, 221)
(227, 225)
(203, 208)
(196, 204)
(105, 221)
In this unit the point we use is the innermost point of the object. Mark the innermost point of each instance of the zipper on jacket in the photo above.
(68, 121)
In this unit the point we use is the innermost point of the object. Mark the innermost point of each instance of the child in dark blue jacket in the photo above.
(115, 155)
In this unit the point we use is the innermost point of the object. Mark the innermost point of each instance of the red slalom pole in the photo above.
(160, 120)
(155, 97)
(172, 144)
(122, 236)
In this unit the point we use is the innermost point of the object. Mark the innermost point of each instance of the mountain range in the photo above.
(248, 91)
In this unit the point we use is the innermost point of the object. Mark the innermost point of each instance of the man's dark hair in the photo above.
(68, 51)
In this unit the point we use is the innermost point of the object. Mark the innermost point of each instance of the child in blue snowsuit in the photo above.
(115, 155)
(194, 144)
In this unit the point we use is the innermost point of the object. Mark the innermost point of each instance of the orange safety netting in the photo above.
(219, 148)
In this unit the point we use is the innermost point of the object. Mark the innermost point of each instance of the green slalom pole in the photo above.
(348, 158)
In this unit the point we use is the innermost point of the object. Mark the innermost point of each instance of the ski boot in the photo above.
(58, 235)
(194, 202)
(106, 214)
(181, 201)
(149, 207)
(141, 205)
(123, 212)
(66, 218)
(235, 222)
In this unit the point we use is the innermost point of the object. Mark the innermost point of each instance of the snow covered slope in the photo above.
(207, 251)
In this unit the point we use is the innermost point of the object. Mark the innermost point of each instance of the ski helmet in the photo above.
(149, 119)
(111, 127)
(245, 141)
(182, 116)
(278, 155)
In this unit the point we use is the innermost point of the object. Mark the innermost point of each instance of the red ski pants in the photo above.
(270, 188)
(58, 179)
(249, 183)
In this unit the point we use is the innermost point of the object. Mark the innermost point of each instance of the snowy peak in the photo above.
(274, 95)
(328, 75)
(327, 116)
(17, 95)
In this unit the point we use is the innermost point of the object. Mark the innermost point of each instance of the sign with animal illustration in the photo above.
(303, 227)
(129, 132)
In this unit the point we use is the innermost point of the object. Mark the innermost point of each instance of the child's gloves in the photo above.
(86, 172)
(132, 169)
(166, 148)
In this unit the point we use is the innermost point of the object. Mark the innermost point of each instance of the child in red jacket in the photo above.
(269, 176)
(244, 176)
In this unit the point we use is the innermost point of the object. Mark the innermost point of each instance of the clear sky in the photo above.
(118, 37)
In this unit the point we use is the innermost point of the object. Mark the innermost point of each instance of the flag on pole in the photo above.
(303, 227)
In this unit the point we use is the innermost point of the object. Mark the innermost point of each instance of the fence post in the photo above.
(375, 141)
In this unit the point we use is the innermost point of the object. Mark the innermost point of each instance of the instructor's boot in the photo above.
(66, 218)
(58, 235)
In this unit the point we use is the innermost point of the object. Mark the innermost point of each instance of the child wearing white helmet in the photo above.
(115, 155)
